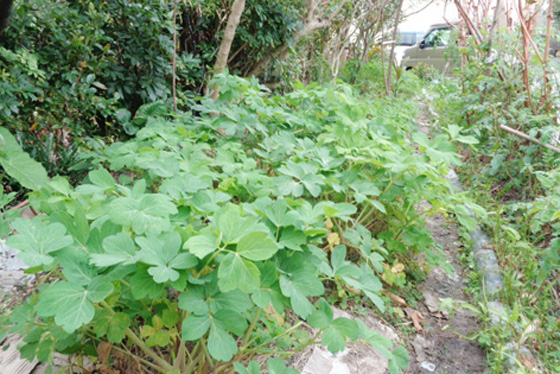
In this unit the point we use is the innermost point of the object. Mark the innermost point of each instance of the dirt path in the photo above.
(437, 349)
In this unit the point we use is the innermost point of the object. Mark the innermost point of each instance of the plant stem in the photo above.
(162, 364)
(174, 60)
(209, 261)
(250, 330)
(135, 357)
(204, 347)
(179, 363)
(288, 331)
(195, 357)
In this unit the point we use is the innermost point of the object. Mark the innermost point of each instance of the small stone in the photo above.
(432, 302)
(428, 366)
(324, 362)
(497, 312)
(339, 313)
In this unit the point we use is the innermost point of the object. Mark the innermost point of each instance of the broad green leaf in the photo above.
(253, 368)
(28, 172)
(221, 345)
(163, 274)
(195, 327)
(314, 184)
(378, 205)
(99, 289)
(77, 271)
(338, 210)
(143, 285)
(184, 261)
(277, 213)
(161, 338)
(170, 317)
(257, 246)
(17, 164)
(69, 305)
(231, 321)
(201, 245)
(61, 184)
(237, 273)
(233, 226)
(287, 186)
(297, 287)
(333, 340)
(119, 249)
(363, 189)
(37, 240)
(399, 361)
(149, 214)
(8, 142)
(334, 337)
(118, 323)
(208, 201)
(163, 253)
(193, 301)
(182, 186)
(322, 316)
(236, 301)
(376, 300)
(346, 327)
(277, 366)
(292, 238)
(338, 257)
(102, 178)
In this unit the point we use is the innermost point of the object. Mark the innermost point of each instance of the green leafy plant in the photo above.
(17, 164)
(206, 241)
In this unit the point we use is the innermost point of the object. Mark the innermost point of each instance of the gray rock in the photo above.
(324, 362)
(12, 278)
(513, 349)
(356, 358)
(497, 312)
(8, 259)
(431, 301)
(422, 348)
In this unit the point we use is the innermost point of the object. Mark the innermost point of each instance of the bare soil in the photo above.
(437, 348)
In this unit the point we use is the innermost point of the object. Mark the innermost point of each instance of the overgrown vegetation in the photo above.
(190, 225)
(217, 229)
(517, 182)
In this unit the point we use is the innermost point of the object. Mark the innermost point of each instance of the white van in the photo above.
(430, 50)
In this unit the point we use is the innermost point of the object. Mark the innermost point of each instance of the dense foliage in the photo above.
(517, 182)
(223, 229)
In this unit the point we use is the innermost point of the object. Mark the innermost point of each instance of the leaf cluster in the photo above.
(206, 240)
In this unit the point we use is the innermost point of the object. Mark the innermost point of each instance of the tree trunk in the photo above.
(225, 46)
(392, 55)
(311, 23)
(5, 9)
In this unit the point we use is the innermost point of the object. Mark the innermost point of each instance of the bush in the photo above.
(202, 237)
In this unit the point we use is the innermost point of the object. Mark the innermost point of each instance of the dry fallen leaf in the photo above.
(271, 311)
(103, 351)
(328, 224)
(396, 299)
(527, 361)
(398, 268)
(333, 239)
(416, 318)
